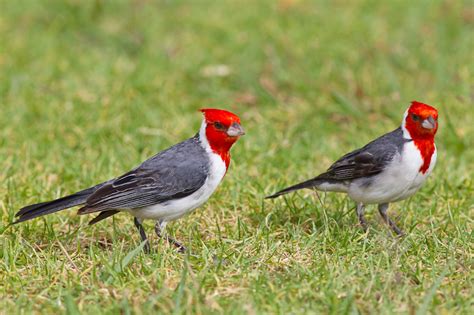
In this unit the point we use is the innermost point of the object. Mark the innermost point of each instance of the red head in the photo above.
(222, 129)
(421, 121)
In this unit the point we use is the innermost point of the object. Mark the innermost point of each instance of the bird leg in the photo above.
(141, 230)
(181, 248)
(360, 214)
(383, 212)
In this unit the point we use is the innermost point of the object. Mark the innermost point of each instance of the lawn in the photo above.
(89, 89)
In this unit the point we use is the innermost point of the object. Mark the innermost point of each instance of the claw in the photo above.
(146, 248)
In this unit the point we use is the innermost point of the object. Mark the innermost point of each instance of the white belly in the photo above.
(400, 180)
(174, 209)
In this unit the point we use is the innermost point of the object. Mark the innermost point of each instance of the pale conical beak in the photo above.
(429, 123)
(235, 130)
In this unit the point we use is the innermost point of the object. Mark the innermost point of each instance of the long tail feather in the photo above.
(44, 208)
(306, 184)
(103, 215)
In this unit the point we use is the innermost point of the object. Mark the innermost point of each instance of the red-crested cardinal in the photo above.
(163, 188)
(390, 168)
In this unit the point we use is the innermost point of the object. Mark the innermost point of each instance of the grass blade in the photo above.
(430, 294)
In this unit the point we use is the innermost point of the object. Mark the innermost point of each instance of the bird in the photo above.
(163, 188)
(391, 168)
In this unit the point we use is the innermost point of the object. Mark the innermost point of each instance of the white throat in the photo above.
(406, 134)
(203, 137)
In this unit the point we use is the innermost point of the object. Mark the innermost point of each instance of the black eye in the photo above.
(218, 125)
(415, 117)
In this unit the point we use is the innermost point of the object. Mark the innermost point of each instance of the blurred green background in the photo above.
(89, 89)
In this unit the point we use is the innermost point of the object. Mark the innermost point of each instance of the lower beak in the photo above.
(429, 123)
(235, 130)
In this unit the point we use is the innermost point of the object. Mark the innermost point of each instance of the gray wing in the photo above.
(367, 161)
(174, 173)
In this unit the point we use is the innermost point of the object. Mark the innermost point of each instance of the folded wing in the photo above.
(174, 173)
(367, 161)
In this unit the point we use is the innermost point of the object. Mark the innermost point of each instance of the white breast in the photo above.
(401, 179)
(172, 210)
(420, 178)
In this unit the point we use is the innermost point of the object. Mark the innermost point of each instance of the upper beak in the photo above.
(429, 123)
(235, 130)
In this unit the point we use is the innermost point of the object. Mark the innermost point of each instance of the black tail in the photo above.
(103, 215)
(43, 208)
(306, 184)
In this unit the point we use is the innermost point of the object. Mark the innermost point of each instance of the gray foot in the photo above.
(181, 248)
(383, 212)
(360, 215)
(141, 230)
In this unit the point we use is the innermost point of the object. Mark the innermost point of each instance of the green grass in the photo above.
(88, 89)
